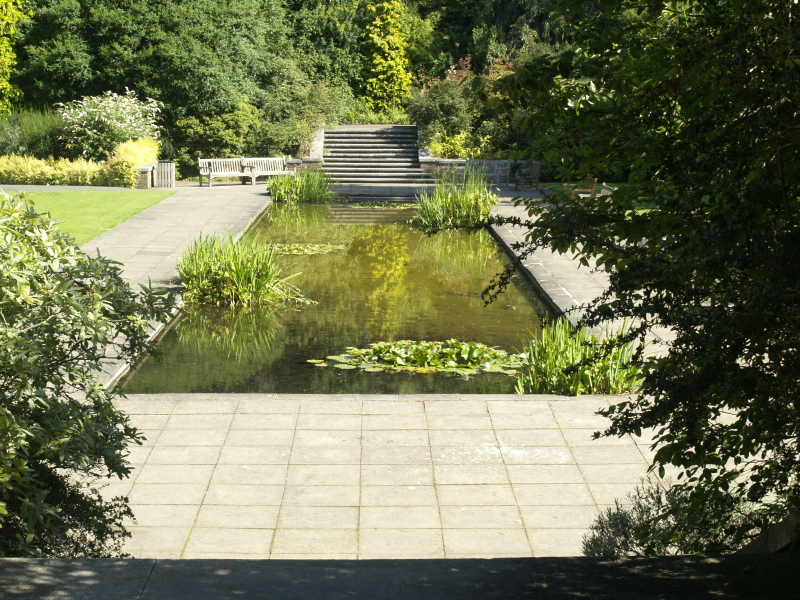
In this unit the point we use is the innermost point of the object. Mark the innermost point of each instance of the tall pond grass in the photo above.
(571, 361)
(460, 199)
(230, 273)
(312, 186)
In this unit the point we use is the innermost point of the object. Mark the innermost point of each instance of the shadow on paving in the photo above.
(687, 577)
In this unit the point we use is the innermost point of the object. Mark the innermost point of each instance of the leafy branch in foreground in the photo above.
(62, 314)
(702, 113)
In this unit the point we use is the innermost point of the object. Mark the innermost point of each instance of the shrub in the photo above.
(26, 170)
(33, 132)
(119, 171)
(61, 313)
(122, 169)
(137, 152)
(313, 186)
(460, 199)
(217, 135)
(445, 106)
(389, 82)
(360, 112)
(95, 125)
(658, 519)
(229, 273)
(572, 361)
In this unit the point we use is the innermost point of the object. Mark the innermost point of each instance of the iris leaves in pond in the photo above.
(452, 356)
(242, 272)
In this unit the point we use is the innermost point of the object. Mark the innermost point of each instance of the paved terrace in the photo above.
(309, 478)
(346, 477)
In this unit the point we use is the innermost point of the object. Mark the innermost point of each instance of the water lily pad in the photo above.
(344, 366)
(321, 364)
(315, 360)
(373, 370)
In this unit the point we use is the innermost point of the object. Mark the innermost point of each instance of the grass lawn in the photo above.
(86, 214)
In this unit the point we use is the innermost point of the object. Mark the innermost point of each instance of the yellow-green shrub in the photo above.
(138, 152)
(33, 171)
(120, 170)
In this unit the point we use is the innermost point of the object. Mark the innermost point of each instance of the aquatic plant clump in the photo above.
(452, 356)
(571, 361)
(231, 273)
(312, 186)
(460, 199)
(308, 249)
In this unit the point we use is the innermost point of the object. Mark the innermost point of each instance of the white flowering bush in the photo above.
(95, 125)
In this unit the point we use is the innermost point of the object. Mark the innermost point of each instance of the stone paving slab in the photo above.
(754, 577)
(272, 476)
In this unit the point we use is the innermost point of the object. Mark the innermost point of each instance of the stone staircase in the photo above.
(375, 162)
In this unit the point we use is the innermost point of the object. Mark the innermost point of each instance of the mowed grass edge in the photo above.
(85, 214)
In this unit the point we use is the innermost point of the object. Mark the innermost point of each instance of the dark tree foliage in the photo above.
(198, 56)
(328, 38)
(698, 101)
(490, 29)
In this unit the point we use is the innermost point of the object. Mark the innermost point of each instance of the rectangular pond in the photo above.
(383, 281)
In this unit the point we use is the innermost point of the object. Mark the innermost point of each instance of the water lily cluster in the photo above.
(451, 356)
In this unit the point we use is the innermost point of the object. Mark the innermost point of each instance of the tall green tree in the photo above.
(699, 102)
(328, 38)
(388, 83)
(11, 12)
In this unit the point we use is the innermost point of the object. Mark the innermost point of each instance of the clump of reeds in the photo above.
(572, 361)
(312, 186)
(230, 273)
(460, 199)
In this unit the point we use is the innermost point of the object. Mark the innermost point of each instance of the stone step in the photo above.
(370, 146)
(375, 129)
(351, 168)
(375, 164)
(374, 179)
(331, 135)
(418, 173)
(377, 154)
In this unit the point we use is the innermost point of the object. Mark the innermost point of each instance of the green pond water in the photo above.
(387, 282)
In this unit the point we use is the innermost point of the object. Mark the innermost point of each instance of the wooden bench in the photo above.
(606, 190)
(528, 176)
(581, 190)
(221, 167)
(243, 168)
(265, 167)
